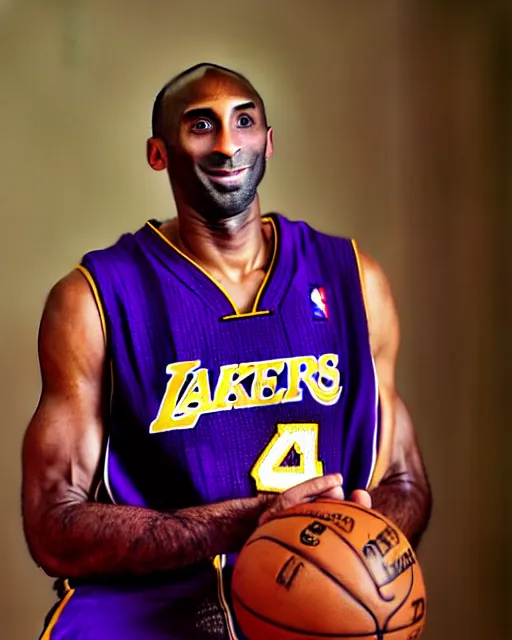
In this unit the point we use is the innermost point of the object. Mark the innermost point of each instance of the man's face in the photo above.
(216, 137)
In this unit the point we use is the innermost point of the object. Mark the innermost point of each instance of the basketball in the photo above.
(329, 569)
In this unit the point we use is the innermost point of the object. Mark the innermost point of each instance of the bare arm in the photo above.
(68, 534)
(404, 492)
(401, 491)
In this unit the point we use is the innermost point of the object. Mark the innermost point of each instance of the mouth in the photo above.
(225, 176)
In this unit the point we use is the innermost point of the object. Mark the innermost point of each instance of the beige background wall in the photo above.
(392, 123)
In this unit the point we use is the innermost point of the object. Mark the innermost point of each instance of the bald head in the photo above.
(186, 87)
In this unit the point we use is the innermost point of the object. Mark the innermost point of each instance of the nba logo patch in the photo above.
(318, 302)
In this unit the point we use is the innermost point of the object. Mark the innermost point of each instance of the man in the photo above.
(201, 375)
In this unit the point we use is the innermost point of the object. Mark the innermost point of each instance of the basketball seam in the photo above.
(400, 605)
(340, 536)
(285, 627)
(333, 579)
(378, 635)
(317, 634)
(293, 515)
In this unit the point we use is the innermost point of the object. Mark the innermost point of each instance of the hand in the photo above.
(328, 487)
(362, 497)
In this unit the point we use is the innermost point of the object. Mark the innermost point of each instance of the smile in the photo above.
(225, 177)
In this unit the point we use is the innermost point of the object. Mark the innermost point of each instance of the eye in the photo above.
(245, 121)
(201, 126)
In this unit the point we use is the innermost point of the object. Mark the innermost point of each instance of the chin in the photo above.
(219, 211)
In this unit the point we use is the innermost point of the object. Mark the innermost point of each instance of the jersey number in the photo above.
(270, 473)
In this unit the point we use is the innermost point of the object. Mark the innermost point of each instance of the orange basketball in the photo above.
(329, 569)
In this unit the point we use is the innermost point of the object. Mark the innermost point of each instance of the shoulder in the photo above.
(376, 282)
(70, 295)
(70, 313)
(71, 341)
(380, 303)
(73, 296)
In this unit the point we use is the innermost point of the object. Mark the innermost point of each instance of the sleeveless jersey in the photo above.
(209, 404)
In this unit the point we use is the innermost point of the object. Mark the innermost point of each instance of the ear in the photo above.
(156, 153)
(270, 143)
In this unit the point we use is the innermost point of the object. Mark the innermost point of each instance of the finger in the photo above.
(265, 517)
(310, 489)
(359, 496)
(305, 492)
(336, 493)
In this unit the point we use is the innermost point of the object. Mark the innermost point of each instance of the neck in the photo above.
(231, 248)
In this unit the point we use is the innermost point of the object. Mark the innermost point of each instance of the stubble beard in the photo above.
(216, 202)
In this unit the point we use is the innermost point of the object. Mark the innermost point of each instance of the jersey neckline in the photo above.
(270, 290)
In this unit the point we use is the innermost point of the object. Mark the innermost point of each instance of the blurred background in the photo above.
(392, 124)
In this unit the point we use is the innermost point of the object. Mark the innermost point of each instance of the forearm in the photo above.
(406, 503)
(88, 539)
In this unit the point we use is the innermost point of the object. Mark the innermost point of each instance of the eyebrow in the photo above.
(210, 113)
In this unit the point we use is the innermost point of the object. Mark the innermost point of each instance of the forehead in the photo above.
(212, 89)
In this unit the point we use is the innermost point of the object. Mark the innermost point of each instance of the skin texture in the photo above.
(403, 492)
(71, 536)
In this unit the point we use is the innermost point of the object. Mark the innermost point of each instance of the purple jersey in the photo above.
(210, 404)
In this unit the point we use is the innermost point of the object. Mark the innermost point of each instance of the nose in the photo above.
(225, 144)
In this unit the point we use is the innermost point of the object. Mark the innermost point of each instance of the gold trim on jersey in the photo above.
(55, 617)
(94, 288)
(376, 450)
(219, 562)
(249, 314)
(271, 267)
(237, 313)
(361, 276)
(87, 274)
(385, 443)
(385, 404)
